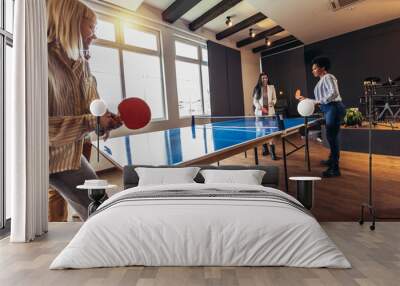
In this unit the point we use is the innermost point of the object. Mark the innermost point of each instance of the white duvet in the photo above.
(200, 231)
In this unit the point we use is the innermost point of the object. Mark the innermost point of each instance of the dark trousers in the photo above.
(65, 183)
(58, 206)
(334, 113)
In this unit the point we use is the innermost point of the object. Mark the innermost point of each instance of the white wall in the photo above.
(151, 17)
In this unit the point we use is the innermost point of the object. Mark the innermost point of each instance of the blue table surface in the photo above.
(178, 145)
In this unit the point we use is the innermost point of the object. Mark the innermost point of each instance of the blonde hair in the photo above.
(64, 19)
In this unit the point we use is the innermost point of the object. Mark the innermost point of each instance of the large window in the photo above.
(192, 78)
(105, 65)
(6, 44)
(126, 61)
(143, 79)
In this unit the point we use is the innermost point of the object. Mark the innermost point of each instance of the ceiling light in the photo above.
(268, 42)
(228, 21)
(252, 33)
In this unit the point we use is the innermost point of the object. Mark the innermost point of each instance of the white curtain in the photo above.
(27, 123)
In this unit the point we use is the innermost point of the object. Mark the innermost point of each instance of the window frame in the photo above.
(142, 29)
(200, 62)
(121, 46)
(6, 39)
(108, 19)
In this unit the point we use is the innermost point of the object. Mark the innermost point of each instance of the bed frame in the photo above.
(270, 179)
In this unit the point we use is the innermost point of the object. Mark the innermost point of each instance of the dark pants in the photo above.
(65, 183)
(334, 113)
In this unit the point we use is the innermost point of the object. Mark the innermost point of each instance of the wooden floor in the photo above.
(375, 258)
(339, 199)
(336, 199)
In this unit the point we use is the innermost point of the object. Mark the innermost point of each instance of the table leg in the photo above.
(307, 147)
(285, 164)
(256, 155)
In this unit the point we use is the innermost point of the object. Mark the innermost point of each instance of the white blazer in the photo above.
(258, 103)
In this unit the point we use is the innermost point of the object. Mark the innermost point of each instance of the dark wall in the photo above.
(287, 73)
(356, 140)
(226, 87)
(373, 51)
(235, 82)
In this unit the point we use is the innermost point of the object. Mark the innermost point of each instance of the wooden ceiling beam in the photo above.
(242, 25)
(260, 36)
(276, 43)
(282, 48)
(178, 9)
(290, 41)
(213, 13)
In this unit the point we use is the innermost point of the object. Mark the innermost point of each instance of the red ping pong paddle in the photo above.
(264, 111)
(134, 113)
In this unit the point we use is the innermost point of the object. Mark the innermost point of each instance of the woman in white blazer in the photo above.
(264, 100)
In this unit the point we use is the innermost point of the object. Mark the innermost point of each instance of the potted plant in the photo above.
(353, 117)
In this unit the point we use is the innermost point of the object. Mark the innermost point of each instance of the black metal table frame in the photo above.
(306, 147)
(285, 140)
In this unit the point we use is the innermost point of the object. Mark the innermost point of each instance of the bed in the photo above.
(197, 224)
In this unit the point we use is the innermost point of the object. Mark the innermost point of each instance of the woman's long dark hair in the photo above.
(257, 88)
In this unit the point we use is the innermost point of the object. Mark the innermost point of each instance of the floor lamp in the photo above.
(369, 90)
(98, 108)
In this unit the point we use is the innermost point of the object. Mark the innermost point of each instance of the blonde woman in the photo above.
(71, 30)
(264, 100)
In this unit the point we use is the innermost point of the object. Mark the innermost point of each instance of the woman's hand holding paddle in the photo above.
(110, 121)
(298, 95)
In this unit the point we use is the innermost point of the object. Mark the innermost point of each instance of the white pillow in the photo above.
(248, 177)
(166, 176)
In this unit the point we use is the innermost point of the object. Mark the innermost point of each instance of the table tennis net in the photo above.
(244, 122)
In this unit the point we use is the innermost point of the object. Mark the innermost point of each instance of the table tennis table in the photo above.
(200, 144)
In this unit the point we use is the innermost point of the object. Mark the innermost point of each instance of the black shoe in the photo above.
(265, 150)
(326, 163)
(272, 152)
(331, 172)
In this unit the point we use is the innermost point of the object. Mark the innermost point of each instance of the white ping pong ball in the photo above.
(306, 107)
(98, 107)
